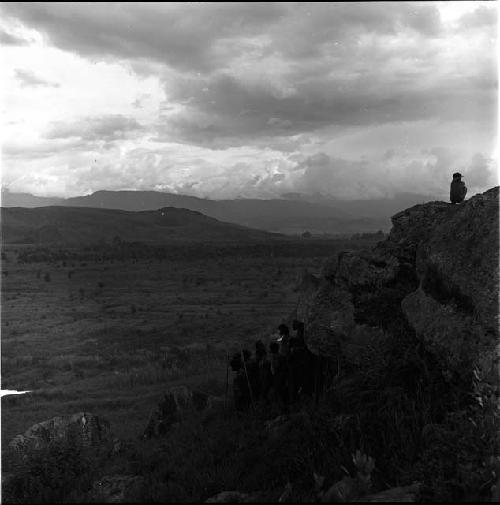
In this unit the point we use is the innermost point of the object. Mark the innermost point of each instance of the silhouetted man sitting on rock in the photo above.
(458, 190)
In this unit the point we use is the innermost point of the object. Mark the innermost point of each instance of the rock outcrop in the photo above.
(436, 273)
(82, 429)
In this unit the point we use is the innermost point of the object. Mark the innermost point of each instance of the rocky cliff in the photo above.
(436, 275)
(410, 328)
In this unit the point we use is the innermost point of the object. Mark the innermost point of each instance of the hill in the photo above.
(28, 200)
(287, 215)
(277, 215)
(79, 226)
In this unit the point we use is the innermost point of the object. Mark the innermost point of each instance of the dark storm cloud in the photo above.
(308, 27)
(335, 63)
(189, 36)
(106, 128)
(223, 107)
(28, 78)
(182, 35)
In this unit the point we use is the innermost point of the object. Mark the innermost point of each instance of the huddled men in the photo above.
(282, 374)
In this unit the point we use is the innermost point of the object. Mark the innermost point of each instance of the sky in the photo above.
(249, 100)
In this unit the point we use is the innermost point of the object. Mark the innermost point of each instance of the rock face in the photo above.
(437, 272)
(83, 429)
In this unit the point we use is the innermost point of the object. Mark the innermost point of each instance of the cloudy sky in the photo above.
(353, 100)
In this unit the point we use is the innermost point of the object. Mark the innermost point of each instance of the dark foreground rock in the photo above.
(410, 328)
(437, 272)
(81, 429)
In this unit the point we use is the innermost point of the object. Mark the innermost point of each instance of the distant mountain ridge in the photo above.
(294, 214)
(83, 225)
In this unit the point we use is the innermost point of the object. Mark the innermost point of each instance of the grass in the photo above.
(110, 336)
(84, 348)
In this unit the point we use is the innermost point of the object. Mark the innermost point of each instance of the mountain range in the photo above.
(292, 214)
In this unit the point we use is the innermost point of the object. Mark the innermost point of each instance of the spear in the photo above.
(227, 379)
(248, 380)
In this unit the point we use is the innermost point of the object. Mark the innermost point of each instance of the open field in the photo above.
(108, 337)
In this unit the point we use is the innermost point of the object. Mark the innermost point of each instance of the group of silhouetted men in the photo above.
(284, 373)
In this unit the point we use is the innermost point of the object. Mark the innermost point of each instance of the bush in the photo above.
(63, 472)
(457, 462)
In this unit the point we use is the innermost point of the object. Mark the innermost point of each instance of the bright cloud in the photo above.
(223, 100)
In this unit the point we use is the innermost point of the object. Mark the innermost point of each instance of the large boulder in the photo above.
(83, 429)
(436, 274)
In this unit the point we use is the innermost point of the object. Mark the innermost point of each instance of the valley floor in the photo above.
(109, 337)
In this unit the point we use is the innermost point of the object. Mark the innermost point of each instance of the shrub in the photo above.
(458, 456)
(63, 472)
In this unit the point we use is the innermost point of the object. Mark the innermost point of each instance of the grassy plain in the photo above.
(89, 331)
(109, 336)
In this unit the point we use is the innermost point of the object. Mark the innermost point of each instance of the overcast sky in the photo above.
(353, 100)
